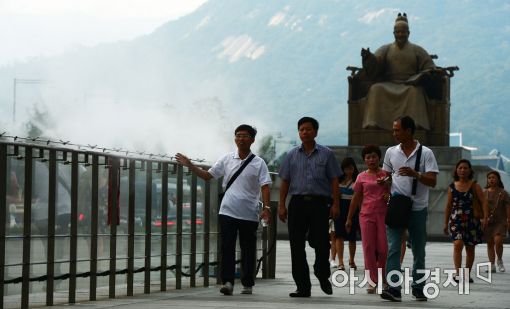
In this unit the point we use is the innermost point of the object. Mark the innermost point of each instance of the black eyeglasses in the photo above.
(243, 136)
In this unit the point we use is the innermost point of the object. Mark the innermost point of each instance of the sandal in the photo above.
(371, 289)
(353, 266)
(341, 267)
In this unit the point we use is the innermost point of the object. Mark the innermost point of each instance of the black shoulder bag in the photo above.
(399, 206)
(236, 174)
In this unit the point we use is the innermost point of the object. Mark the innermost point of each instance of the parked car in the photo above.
(186, 218)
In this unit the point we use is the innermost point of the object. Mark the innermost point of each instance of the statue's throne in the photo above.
(437, 88)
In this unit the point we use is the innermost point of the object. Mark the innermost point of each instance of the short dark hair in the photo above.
(471, 174)
(368, 149)
(311, 120)
(407, 122)
(246, 127)
(346, 162)
(495, 173)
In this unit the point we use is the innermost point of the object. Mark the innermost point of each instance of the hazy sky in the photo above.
(32, 28)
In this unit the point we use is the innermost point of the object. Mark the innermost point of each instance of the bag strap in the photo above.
(238, 172)
(417, 168)
(497, 202)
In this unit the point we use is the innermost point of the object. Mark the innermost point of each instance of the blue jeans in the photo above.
(417, 237)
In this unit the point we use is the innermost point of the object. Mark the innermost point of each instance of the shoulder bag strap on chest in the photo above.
(416, 168)
(238, 172)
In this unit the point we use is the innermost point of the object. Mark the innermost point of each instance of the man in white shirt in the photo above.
(400, 160)
(239, 211)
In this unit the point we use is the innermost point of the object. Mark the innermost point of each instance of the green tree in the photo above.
(267, 151)
(39, 121)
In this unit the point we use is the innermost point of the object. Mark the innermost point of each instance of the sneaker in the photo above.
(418, 295)
(333, 264)
(501, 267)
(247, 290)
(227, 289)
(392, 294)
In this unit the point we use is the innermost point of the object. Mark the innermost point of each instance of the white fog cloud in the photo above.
(373, 15)
(52, 27)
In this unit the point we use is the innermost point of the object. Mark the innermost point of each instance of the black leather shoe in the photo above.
(392, 294)
(326, 286)
(298, 293)
(418, 295)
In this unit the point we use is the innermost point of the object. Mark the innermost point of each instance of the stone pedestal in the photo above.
(438, 135)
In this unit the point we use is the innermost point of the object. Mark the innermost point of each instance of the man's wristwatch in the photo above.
(419, 176)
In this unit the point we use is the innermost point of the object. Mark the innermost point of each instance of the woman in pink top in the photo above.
(371, 190)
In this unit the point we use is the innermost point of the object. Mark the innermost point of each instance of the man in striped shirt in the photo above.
(309, 173)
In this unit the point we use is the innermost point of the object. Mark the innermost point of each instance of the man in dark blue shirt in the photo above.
(309, 173)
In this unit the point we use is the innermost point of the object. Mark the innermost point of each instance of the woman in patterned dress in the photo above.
(464, 228)
(499, 218)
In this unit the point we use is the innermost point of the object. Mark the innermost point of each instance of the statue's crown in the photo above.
(401, 17)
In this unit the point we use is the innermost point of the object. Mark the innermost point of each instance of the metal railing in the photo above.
(71, 214)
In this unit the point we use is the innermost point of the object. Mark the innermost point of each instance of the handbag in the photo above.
(399, 211)
(236, 174)
(399, 206)
(477, 208)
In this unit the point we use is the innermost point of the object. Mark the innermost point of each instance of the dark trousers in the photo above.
(247, 241)
(308, 220)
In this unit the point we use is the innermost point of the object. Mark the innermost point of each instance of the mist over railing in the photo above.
(87, 219)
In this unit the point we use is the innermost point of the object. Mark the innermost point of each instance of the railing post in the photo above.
(193, 245)
(94, 217)
(271, 273)
(265, 248)
(217, 203)
(164, 227)
(52, 192)
(74, 228)
(3, 207)
(207, 232)
(131, 227)
(27, 221)
(178, 249)
(113, 202)
(148, 222)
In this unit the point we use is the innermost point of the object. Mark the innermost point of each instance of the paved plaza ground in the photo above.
(271, 293)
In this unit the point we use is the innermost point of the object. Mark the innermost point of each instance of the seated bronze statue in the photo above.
(400, 65)
(400, 78)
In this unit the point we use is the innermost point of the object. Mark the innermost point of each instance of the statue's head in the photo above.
(401, 17)
(401, 29)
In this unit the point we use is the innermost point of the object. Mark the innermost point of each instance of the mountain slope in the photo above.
(271, 62)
